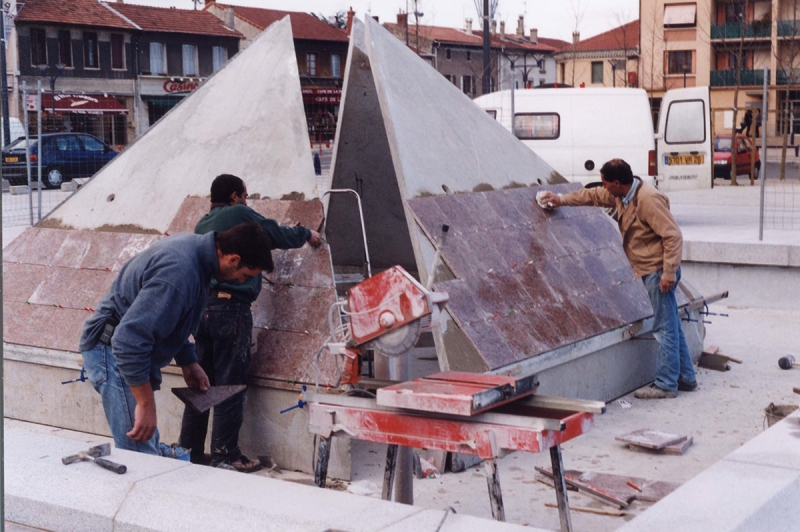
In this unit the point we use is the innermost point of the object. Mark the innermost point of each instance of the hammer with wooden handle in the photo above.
(95, 454)
(787, 362)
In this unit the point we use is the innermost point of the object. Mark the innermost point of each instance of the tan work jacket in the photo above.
(651, 238)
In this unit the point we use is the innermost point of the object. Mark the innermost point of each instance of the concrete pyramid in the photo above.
(406, 132)
(246, 120)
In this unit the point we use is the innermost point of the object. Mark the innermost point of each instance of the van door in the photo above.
(683, 142)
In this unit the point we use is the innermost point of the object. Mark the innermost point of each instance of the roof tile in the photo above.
(304, 26)
(74, 12)
(621, 37)
(173, 20)
(475, 38)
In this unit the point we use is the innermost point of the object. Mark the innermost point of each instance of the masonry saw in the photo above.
(385, 313)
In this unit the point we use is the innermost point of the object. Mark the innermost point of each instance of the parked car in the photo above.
(745, 152)
(66, 156)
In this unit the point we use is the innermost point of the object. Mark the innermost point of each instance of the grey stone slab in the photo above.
(40, 491)
(728, 496)
(247, 120)
(203, 498)
(436, 521)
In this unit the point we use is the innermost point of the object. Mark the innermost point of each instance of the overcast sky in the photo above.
(553, 18)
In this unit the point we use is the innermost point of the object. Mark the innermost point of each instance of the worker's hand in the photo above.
(195, 377)
(144, 417)
(315, 239)
(548, 198)
(665, 286)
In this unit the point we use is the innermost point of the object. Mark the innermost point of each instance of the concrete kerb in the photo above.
(41, 492)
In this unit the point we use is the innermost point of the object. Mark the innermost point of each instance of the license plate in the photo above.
(12, 159)
(676, 160)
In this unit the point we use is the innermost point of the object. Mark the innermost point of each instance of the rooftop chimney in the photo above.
(534, 36)
(402, 19)
(576, 37)
(468, 26)
(350, 16)
(494, 27)
(521, 26)
(503, 29)
(229, 18)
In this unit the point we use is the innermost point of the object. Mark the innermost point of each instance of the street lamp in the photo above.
(52, 72)
(685, 68)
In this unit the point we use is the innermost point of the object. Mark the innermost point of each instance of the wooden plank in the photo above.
(586, 509)
(593, 491)
(650, 439)
(562, 403)
(713, 361)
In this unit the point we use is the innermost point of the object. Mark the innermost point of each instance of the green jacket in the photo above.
(224, 217)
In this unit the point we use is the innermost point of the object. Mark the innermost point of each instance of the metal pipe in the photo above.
(4, 79)
(363, 227)
(486, 79)
(40, 144)
(27, 149)
(763, 171)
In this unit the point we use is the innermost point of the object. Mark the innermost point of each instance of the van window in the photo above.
(541, 126)
(686, 122)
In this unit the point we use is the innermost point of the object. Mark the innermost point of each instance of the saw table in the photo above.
(483, 415)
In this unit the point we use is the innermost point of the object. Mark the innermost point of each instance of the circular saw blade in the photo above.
(398, 341)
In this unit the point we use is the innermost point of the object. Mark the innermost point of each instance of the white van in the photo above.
(577, 130)
(16, 129)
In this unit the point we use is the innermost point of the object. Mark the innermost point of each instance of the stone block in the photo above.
(18, 190)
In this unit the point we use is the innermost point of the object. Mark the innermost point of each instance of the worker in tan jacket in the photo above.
(652, 241)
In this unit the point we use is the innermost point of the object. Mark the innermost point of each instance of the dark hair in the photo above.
(223, 186)
(617, 170)
(250, 242)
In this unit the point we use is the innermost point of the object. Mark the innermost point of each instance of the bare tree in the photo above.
(577, 14)
(623, 20)
(337, 20)
(738, 63)
(786, 64)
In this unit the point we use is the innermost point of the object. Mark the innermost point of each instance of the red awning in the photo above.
(84, 104)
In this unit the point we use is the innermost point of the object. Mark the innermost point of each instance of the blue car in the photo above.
(66, 156)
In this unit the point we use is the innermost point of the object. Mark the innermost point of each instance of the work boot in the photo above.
(200, 459)
(244, 465)
(654, 392)
(687, 386)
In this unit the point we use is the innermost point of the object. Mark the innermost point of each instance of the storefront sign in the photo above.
(177, 87)
(327, 95)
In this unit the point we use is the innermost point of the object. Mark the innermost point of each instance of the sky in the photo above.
(553, 18)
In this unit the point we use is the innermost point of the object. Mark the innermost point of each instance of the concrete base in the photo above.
(19, 190)
(32, 391)
(161, 494)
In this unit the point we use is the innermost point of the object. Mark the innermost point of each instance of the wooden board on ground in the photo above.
(615, 490)
(598, 511)
(650, 439)
(675, 449)
(711, 358)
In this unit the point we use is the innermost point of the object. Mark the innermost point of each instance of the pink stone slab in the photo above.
(270, 208)
(73, 288)
(43, 326)
(306, 213)
(20, 280)
(316, 270)
(35, 246)
(192, 209)
(135, 245)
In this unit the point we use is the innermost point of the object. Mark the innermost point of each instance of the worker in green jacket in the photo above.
(224, 335)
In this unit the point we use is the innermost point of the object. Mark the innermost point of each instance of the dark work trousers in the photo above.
(223, 351)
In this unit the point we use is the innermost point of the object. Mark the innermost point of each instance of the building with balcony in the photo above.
(609, 59)
(458, 54)
(722, 43)
(321, 53)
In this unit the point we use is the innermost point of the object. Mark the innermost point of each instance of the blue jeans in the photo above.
(223, 351)
(118, 401)
(673, 354)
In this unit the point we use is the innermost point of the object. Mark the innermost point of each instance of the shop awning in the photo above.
(84, 104)
(165, 100)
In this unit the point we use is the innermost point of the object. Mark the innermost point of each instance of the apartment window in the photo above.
(680, 16)
(540, 64)
(311, 64)
(189, 52)
(90, 52)
(451, 78)
(469, 55)
(467, 85)
(336, 66)
(219, 54)
(541, 126)
(597, 72)
(38, 46)
(157, 62)
(736, 61)
(117, 51)
(65, 48)
(679, 62)
(447, 54)
(734, 12)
